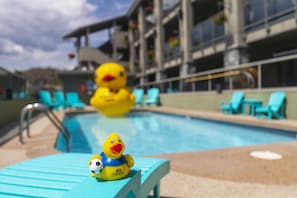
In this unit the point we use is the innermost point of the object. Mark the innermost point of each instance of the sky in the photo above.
(32, 30)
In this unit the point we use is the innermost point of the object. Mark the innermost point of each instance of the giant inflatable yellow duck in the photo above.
(111, 164)
(112, 98)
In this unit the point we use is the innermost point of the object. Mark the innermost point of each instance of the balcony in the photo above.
(172, 49)
(261, 13)
(208, 32)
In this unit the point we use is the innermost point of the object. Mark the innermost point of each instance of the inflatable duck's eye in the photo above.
(121, 74)
(120, 140)
(112, 141)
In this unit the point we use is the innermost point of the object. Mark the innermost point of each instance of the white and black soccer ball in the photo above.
(96, 166)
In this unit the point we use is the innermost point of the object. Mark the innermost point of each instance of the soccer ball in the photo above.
(96, 166)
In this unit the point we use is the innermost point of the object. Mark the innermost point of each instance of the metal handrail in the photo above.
(29, 108)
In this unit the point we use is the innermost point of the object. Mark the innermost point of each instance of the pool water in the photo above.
(147, 133)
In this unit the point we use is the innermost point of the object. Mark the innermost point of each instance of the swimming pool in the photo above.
(147, 133)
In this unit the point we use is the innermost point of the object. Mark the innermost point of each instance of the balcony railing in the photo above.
(207, 33)
(261, 13)
(255, 75)
(171, 53)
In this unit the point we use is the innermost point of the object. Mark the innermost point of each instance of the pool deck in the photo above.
(217, 173)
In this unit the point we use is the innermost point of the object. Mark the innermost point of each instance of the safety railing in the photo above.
(29, 109)
(252, 71)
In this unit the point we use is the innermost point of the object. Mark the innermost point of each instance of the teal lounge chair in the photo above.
(72, 100)
(46, 99)
(60, 99)
(275, 107)
(152, 96)
(138, 93)
(23, 95)
(235, 105)
(15, 95)
(67, 175)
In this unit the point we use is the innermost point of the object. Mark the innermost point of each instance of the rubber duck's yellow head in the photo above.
(113, 146)
(111, 75)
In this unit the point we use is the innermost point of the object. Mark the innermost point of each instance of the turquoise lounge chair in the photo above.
(72, 100)
(46, 99)
(138, 93)
(275, 107)
(60, 99)
(67, 175)
(152, 96)
(235, 105)
(23, 95)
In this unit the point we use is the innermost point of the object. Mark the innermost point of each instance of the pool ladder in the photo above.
(29, 108)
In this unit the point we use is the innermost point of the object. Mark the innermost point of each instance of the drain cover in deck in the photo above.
(267, 155)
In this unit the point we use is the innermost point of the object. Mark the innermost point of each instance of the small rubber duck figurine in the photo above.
(112, 98)
(111, 164)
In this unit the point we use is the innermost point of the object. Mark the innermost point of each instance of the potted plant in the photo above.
(132, 26)
(173, 42)
(220, 18)
(71, 55)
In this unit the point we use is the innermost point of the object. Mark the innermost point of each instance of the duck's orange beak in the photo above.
(116, 149)
(108, 77)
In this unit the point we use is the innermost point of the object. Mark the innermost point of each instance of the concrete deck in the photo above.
(217, 173)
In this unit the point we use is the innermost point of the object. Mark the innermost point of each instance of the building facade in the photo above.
(197, 45)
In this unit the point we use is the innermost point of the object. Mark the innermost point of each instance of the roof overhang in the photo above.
(95, 27)
(5, 72)
(133, 7)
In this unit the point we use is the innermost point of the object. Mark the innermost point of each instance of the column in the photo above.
(131, 50)
(143, 45)
(77, 43)
(187, 26)
(236, 50)
(87, 38)
(114, 42)
(160, 38)
(87, 44)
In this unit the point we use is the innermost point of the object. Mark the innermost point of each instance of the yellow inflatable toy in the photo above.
(112, 98)
(111, 164)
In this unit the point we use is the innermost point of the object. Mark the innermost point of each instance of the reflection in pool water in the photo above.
(147, 133)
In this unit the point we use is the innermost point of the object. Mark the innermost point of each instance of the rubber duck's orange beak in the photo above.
(108, 77)
(116, 149)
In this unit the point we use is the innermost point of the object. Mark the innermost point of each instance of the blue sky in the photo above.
(31, 30)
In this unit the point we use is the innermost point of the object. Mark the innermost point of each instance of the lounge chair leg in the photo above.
(156, 191)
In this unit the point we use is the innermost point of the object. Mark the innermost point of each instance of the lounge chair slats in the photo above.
(275, 108)
(28, 191)
(45, 176)
(46, 99)
(235, 105)
(67, 175)
(72, 100)
(54, 171)
(138, 93)
(37, 182)
(91, 187)
(152, 96)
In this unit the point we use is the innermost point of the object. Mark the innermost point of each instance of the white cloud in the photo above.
(31, 30)
(8, 47)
